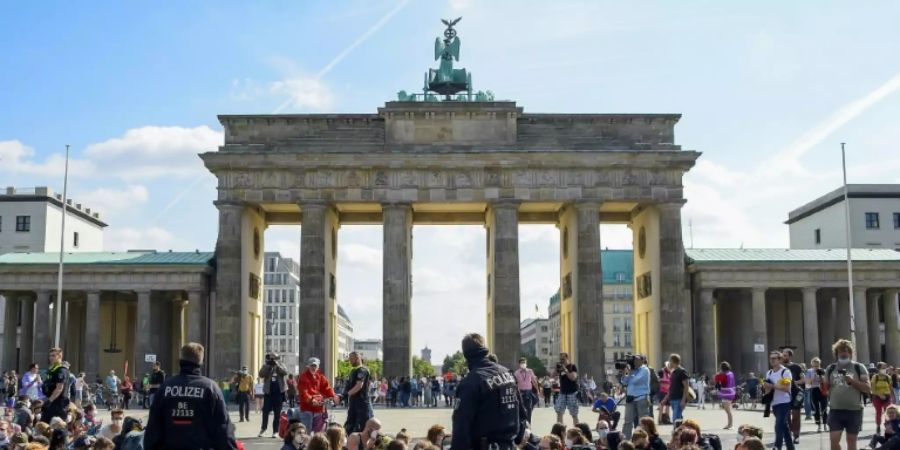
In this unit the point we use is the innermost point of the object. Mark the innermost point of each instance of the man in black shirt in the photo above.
(796, 391)
(489, 413)
(56, 388)
(568, 389)
(359, 407)
(190, 411)
(157, 377)
(678, 387)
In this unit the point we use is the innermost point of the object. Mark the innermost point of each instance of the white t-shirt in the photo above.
(258, 389)
(780, 397)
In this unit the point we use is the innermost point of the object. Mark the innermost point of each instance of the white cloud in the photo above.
(155, 151)
(132, 238)
(303, 93)
(109, 201)
(18, 159)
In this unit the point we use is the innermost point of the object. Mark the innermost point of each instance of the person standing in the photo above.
(56, 388)
(190, 411)
(31, 383)
(313, 388)
(727, 383)
(359, 406)
(126, 389)
(291, 391)
(882, 393)
(636, 380)
(845, 381)
(779, 381)
(796, 392)
(679, 385)
(156, 379)
(273, 374)
(527, 384)
(818, 400)
(79, 389)
(244, 383)
(568, 388)
(489, 414)
(701, 391)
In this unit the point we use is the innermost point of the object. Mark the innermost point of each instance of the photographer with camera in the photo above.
(846, 381)
(814, 376)
(568, 389)
(273, 374)
(635, 378)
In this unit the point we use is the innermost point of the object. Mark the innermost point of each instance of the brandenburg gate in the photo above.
(465, 162)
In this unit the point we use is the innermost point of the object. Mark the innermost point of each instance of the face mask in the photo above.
(602, 433)
(568, 443)
(522, 366)
(883, 371)
(740, 437)
(298, 439)
(373, 434)
(844, 360)
(2, 436)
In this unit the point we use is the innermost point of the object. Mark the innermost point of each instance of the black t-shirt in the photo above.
(676, 384)
(359, 374)
(56, 376)
(157, 378)
(567, 386)
(796, 372)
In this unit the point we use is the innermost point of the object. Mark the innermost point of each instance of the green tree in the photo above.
(343, 369)
(536, 365)
(376, 368)
(455, 363)
(421, 368)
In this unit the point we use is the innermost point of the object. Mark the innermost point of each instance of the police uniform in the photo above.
(359, 407)
(489, 413)
(189, 413)
(56, 375)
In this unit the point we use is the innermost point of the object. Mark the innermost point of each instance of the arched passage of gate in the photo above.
(485, 163)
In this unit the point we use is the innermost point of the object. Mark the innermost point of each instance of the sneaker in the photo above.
(818, 428)
(274, 435)
(797, 440)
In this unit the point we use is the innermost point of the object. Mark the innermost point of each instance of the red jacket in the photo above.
(313, 385)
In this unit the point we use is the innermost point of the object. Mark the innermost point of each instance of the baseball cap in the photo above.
(312, 361)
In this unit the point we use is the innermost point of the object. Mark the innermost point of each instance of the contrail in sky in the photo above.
(343, 54)
(843, 115)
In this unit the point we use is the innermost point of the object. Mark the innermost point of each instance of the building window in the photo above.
(872, 221)
(544, 329)
(620, 276)
(897, 221)
(615, 308)
(628, 308)
(628, 324)
(628, 339)
(292, 295)
(23, 223)
(75, 239)
(617, 324)
(818, 233)
(617, 340)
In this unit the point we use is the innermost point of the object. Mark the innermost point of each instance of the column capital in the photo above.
(890, 291)
(759, 289)
(92, 292)
(396, 205)
(587, 204)
(229, 204)
(671, 205)
(143, 291)
(809, 289)
(505, 203)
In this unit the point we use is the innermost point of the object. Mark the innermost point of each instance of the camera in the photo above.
(626, 361)
(843, 372)
(820, 372)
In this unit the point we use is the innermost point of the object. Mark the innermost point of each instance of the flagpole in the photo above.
(62, 245)
(849, 246)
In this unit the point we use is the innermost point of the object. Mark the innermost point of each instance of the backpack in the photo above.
(654, 381)
(881, 385)
(713, 440)
(830, 369)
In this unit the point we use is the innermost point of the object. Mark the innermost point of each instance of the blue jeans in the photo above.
(677, 409)
(782, 427)
(807, 403)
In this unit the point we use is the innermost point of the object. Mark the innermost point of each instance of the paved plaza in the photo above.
(417, 421)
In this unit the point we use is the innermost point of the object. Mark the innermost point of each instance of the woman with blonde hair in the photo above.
(337, 439)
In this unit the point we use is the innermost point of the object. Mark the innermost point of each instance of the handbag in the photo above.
(691, 394)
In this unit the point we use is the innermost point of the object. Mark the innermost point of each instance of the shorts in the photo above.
(660, 396)
(566, 401)
(845, 420)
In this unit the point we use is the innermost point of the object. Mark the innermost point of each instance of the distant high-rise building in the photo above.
(369, 349)
(281, 279)
(426, 354)
(345, 334)
(536, 339)
(618, 278)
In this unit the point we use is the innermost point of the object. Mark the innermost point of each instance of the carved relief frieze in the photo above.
(436, 178)
(523, 178)
(492, 177)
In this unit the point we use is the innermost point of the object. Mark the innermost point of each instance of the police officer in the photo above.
(489, 413)
(189, 410)
(359, 406)
(56, 388)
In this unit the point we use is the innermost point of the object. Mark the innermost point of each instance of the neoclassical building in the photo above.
(118, 308)
(749, 301)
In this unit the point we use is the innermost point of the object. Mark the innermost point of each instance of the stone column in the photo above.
(872, 311)
(842, 315)
(10, 329)
(142, 342)
(196, 331)
(177, 317)
(92, 335)
(706, 332)
(810, 323)
(891, 312)
(317, 335)
(760, 330)
(827, 325)
(397, 289)
(504, 332)
(229, 297)
(41, 328)
(861, 316)
(589, 349)
(26, 349)
(675, 317)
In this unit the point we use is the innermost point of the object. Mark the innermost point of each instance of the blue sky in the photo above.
(767, 90)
